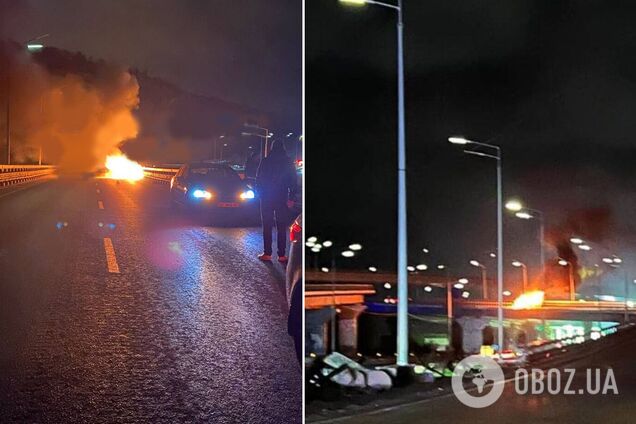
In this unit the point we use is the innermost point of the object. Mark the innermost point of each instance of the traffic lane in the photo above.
(133, 346)
(43, 229)
(222, 311)
(544, 408)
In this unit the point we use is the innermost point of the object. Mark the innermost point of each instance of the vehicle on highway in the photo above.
(294, 286)
(212, 185)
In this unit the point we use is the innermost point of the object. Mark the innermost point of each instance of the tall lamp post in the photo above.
(492, 152)
(524, 274)
(563, 262)
(484, 278)
(402, 252)
(524, 212)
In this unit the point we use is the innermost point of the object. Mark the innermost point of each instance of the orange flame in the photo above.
(529, 300)
(121, 168)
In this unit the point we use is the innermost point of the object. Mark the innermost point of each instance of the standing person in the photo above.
(276, 186)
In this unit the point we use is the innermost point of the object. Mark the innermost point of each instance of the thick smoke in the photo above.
(78, 111)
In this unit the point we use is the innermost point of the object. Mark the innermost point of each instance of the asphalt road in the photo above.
(191, 329)
(513, 408)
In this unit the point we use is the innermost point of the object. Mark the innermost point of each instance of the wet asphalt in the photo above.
(191, 329)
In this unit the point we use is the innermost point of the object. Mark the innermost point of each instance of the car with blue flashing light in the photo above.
(211, 186)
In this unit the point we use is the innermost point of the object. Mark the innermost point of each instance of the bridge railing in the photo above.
(163, 175)
(18, 174)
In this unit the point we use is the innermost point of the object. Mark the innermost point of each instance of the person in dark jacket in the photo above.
(276, 187)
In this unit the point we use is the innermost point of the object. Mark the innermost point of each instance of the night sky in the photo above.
(553, 83)
(245, 51)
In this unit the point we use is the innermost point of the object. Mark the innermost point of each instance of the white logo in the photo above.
(483, 370)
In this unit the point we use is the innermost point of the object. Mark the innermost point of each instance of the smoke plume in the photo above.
(77, 111)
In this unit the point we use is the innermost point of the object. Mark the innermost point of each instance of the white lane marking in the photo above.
(100, 204)
(111, 259)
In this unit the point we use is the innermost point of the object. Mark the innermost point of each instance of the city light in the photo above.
(507, 293)
(517, 264)
(373, 269)
(514, 205)
(563, 262)
(523, 215)
(475, 263)
(458, 286)
(327, 243)
(354, 2)
(458, 140)
(348, 254)
(324, 269)
(312, 239)
(440, 266)
(576, 240)
(387, 286)
(428, 289)
(463, 280)
(410, 268)
(465, 295)
(355, 247)
(421, 267)
(585, 247)
(608, 260)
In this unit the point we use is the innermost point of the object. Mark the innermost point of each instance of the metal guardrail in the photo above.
(163, 175)
(18, 174)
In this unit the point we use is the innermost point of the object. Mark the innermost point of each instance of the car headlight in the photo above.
(247, 194)
(201, 194)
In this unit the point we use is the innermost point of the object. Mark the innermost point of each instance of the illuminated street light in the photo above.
(387, 286)
(608, 260)
(507, 293)
(348, 254)
(410, 268)
(373, 269)
(563, 262)
(428, 289)
(315, 249)
(523, 215)
(440, 266)
(576, 240)
(458, 140)
(355, 247)
(458, 286)
(585, 247)
(463, 280)
(524, 273)
(327, 243)
(514, 205)
(402, 245)
(484, 280)
(421, 267)
(425, 250)
(324, 269)
(617, 260)
(310, 244)
(312, 239)
(492, 255)
(465, 295)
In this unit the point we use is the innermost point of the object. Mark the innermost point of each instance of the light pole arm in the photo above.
(380, 3)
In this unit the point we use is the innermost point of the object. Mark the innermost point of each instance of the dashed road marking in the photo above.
(111, 259)
(100, 204)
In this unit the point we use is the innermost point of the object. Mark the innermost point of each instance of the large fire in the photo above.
(529, 300)
(121, 168)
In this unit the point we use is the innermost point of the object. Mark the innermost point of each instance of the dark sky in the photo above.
(246, 51)
(553, 83)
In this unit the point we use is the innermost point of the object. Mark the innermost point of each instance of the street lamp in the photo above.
(402, 248)
(563, 262)
(495, 153)
(525, 212)
(265, 136)
(484, 280)
(524, 273)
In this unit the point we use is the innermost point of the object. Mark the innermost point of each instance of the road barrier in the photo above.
(163, 175)
(18, 174)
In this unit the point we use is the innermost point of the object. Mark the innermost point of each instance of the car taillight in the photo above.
(295, 232)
